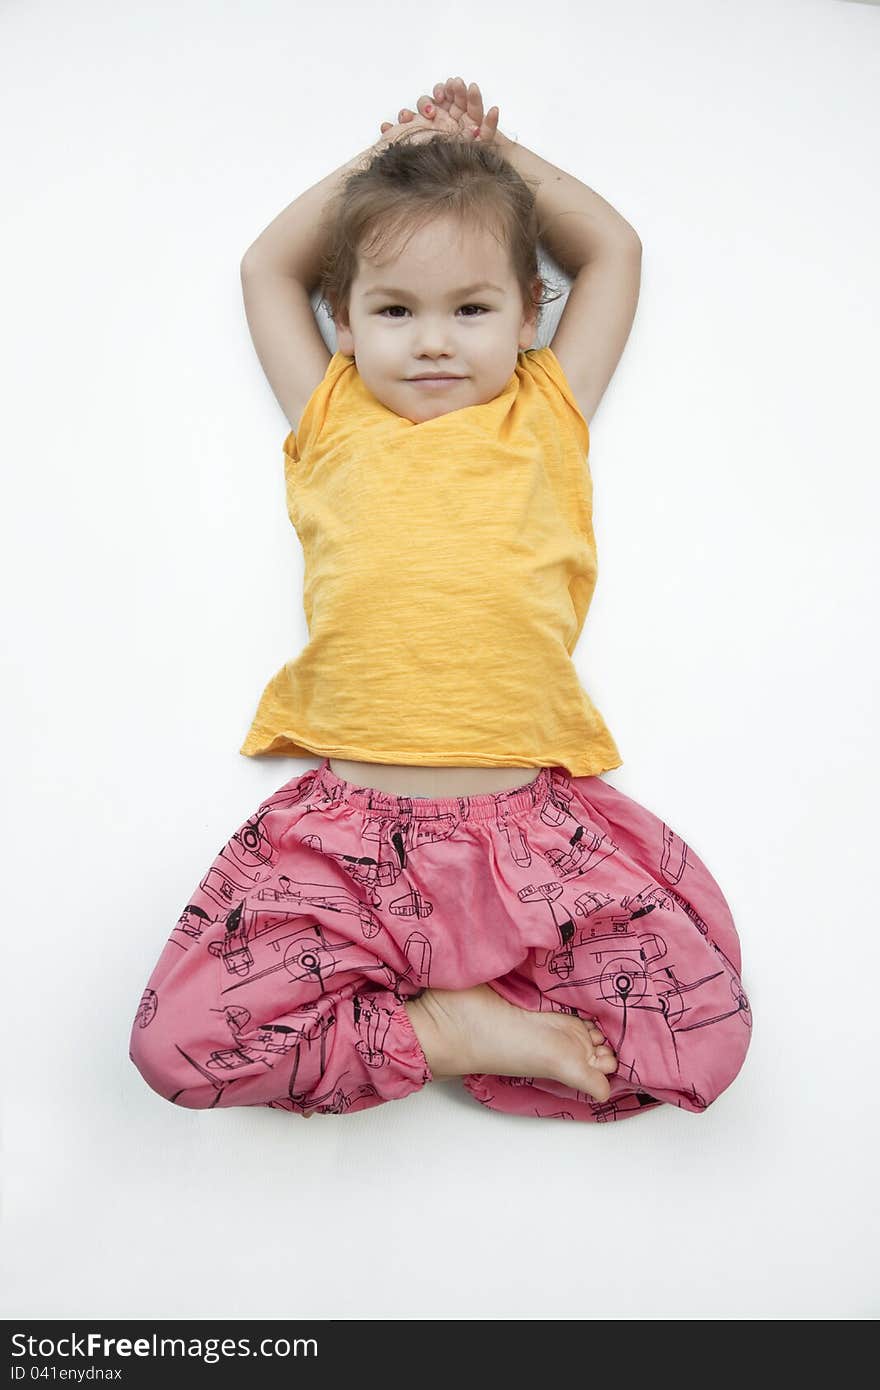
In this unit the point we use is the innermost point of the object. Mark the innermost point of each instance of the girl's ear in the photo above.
(530, 314)
(344, 337)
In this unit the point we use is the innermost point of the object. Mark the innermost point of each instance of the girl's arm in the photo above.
(576, 224)
(279, 271)
(602, 253)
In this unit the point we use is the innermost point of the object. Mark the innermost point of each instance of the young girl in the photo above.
(454, 890)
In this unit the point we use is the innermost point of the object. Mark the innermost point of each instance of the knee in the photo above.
(148, 1061)
(168, 1070)
(717, 1070)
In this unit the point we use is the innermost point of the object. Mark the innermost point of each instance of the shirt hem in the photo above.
(264, 743)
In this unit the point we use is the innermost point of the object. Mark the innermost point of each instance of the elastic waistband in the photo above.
(484, 806)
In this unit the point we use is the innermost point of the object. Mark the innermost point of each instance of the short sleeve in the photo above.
(553, 378)
(299, 442)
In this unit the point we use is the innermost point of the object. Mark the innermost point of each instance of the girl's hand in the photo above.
(464, 105)
(457, 109)
(411, 126)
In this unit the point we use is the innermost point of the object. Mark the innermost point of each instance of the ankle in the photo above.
(433, 1029)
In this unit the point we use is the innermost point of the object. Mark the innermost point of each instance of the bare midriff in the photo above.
(432, 781)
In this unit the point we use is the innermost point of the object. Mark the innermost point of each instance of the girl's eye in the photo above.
(482, 308)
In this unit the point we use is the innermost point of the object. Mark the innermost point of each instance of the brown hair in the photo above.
(409, 183)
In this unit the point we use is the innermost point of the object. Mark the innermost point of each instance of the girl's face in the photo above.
(448, 303)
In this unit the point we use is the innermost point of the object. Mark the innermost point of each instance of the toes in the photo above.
(603, 1058)
(604, 1063)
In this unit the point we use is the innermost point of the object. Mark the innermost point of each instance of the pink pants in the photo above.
(283, 982)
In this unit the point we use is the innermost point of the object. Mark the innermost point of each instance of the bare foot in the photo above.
(475, 1030)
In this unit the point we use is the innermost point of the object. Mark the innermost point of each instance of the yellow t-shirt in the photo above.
(448, 568)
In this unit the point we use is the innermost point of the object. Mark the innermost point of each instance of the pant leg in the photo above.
(255, 1000)
(645, 944)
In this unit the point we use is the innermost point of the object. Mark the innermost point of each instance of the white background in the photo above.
(153, 586)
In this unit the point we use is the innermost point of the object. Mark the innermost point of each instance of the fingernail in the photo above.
(428, 107)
